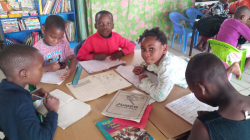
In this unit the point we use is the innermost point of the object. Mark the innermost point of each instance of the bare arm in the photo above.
(199, 131)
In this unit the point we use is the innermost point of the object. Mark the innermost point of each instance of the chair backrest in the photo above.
(175, 17)
(192, 13)
(222, 49)
(77, 47)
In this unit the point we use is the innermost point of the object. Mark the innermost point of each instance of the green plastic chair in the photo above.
(222, 49)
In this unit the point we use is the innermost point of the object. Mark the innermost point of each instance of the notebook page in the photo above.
(72, 112)
(53, 77)
(109, 63)
(92, 66)
(187, 106)
(62, 96)
(111, 81)
(127, 73)
(87, 89)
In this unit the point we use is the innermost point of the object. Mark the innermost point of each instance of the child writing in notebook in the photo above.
(170, 69)
(55, 47)
(232, 29)
(104, 42)
(207, 79)
(19, 120)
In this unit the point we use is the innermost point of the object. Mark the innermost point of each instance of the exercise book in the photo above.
(70, 110)
(53, 77)
(95, 86)
(187, 106)
(127, 105)
(93, 66)
(127, 73)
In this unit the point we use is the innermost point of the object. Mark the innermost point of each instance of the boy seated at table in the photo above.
(104, 42)
(19, 120)
(170, 69)
(232, 29)
(207, 79)
(55, 47)
(219, 9)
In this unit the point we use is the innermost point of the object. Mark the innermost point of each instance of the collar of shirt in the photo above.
(110, 35)
(5, 85)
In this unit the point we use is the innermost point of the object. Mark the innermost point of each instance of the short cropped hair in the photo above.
(98, 14)
(54, 21)
(205, 67)
(241, 10)
(16, 57)
(155, 32)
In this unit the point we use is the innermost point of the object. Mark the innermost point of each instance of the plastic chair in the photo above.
(77, 47)
(192, 13)
(179, 29)
(222, 49)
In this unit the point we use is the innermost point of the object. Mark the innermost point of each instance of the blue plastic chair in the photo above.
(192, 14)
(78, 46)
(179, 29)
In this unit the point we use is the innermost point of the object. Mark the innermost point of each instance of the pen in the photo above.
(38, 97)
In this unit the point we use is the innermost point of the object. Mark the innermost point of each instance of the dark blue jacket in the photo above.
(18, 117)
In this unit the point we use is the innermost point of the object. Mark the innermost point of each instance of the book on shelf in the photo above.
(32, 23)
(55, 6)
(113, 131)
(70, 30)
(32, 38)
(10, 25)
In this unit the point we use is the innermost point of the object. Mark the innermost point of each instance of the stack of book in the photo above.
(10, 25)
(56, 6)
(31, 23)
(70, 30)
(11, 41)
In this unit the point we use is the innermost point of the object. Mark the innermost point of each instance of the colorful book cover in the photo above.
(112, 131)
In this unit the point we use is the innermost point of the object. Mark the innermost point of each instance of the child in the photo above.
(104, 42)
(207, 79)
(55, 48)
(232, 29)
(169, 68)
(22, 65)
(219, 9)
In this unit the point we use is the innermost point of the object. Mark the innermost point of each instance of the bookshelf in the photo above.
(19, 36)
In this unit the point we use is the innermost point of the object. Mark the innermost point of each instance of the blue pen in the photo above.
(38, 97)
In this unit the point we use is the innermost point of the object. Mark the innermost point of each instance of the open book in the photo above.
(95, 86)
(127, 73)
(53, 77)
(187, 106)
(70, 110)
(92, 66)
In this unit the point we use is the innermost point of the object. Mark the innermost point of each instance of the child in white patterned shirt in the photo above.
(170, 69)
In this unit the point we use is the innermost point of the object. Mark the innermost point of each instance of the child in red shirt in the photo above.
(104, 42)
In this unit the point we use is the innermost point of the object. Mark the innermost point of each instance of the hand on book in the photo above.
(116, 55)
(51, 104)
(138, 70)
(142, 76)
(39, 92)
(52, 67)
(99, 56)
(65, 75)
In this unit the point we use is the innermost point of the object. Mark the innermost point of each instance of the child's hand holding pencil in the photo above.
(138, 70)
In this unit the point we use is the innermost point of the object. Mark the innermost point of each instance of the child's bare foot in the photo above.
(235, 69)
(199, 46)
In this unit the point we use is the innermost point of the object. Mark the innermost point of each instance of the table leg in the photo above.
(192, 40)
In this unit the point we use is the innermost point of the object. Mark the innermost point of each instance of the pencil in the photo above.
(38, 97)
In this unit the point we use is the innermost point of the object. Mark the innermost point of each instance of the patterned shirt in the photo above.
(51, 54)
(219, 9)
(171, 71)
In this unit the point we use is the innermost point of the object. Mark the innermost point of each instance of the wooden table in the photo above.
(162, 123)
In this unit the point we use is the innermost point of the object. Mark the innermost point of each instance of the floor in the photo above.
(242, 86)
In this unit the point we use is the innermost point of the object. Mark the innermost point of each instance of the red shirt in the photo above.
(98, 44)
